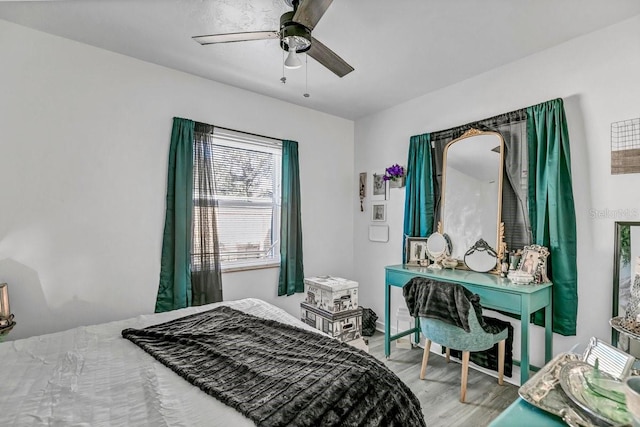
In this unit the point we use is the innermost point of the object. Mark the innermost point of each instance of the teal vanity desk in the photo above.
(521, 413)
(495, 293)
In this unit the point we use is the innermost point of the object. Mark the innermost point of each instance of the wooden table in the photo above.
(495, 293)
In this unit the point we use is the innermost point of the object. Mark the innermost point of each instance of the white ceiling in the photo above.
(400, 49)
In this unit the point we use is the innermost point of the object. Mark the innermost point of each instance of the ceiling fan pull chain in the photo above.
(283, 79)
(306, 76)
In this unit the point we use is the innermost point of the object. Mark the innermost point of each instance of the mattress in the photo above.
(91, 376)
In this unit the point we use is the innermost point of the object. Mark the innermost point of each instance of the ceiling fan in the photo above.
(294, 34)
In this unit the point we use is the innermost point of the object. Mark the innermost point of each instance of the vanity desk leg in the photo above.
(524, 330)
(387, 321)
(524, 339)
(548, 332)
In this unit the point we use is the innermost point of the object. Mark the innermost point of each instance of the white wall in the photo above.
(597, 76)
(84, 139)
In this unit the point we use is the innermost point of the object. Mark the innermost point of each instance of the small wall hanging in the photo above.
(379, 233)
(378, 212)
(395, 176)
(625, 147)
(379, 188)
(362, 188)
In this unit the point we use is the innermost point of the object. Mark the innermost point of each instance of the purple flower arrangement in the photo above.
(393, 172)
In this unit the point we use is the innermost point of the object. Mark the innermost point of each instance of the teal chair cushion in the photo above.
(454, 337)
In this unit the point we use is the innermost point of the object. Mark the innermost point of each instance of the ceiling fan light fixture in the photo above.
(292, 62)
(301, 43)
(294, 34)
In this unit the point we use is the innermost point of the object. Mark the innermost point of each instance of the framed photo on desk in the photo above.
(534, 262)
(415, 250)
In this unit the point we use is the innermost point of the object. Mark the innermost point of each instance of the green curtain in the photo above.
(551, 208)
(175, 282)
(419, 201)
(291, 266)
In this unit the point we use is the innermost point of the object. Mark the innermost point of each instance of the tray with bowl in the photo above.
(543, 390)
(561, 385)
(595, 392)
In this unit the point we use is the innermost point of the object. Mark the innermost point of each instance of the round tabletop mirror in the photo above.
(437, 246)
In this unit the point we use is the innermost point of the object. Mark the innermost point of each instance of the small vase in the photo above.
(396, 182)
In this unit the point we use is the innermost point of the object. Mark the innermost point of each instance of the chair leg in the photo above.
(448, 354)
(501, 361)
(425, 358)
(465, 371)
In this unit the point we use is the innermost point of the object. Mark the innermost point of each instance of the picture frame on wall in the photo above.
(379, 187)
(378, 212)
(379, 233)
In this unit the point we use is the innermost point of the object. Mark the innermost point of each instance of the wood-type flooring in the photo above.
(439, 392)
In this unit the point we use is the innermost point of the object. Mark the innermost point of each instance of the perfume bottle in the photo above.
(504, 265)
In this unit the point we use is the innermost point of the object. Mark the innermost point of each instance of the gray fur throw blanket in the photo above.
(280, 375)
(444, 301)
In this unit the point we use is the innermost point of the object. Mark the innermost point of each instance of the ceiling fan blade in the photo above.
(328, 58)
(236, 37)
(309, 12)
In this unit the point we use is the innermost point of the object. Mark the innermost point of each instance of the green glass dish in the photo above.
(595, 392)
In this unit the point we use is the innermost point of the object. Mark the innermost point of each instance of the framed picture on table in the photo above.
(534, 262)
(415, 250)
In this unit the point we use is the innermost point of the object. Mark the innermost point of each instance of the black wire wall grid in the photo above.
(625, 146)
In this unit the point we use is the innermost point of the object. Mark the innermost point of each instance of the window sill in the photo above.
(237, 268)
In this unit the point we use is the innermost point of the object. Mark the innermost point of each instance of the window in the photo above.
(246, 182)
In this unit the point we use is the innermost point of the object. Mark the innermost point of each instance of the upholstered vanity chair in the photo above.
(449, 317)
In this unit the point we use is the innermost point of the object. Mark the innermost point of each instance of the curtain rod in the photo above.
(248, 133)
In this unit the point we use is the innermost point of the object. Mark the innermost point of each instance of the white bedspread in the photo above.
(91, 376)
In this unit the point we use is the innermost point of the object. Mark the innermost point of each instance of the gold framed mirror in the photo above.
(471, 200)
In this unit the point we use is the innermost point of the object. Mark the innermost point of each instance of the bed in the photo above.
(92, 376)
